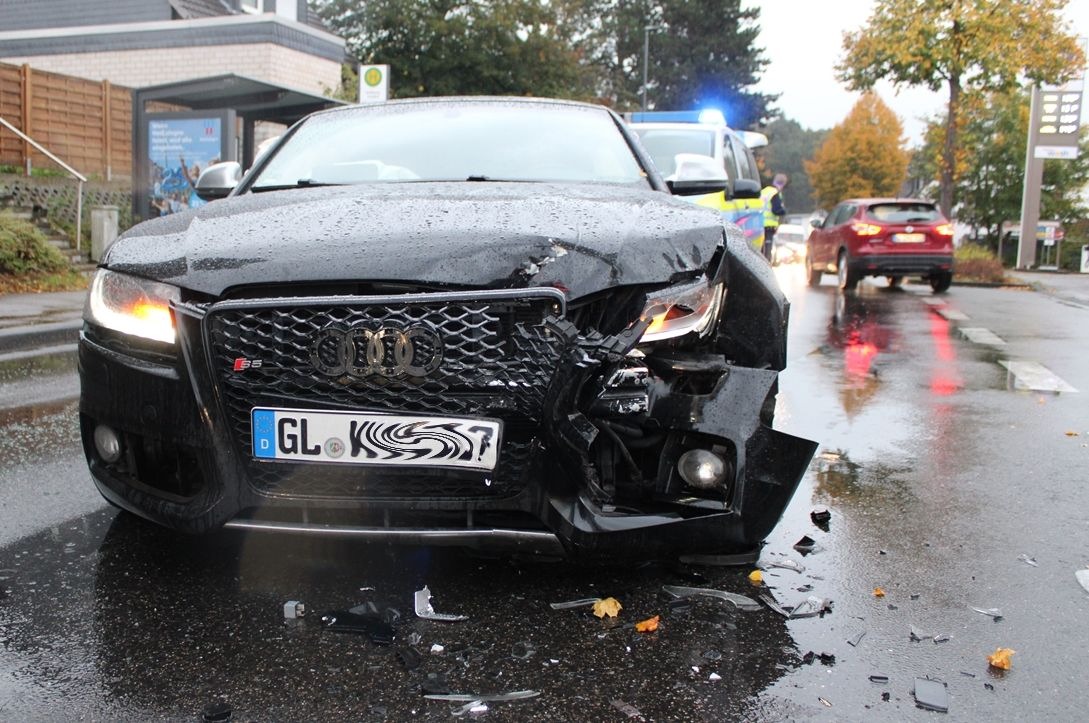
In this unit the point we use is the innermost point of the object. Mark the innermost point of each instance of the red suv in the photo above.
(890, 237)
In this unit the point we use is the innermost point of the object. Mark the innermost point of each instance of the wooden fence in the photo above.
(87, 124)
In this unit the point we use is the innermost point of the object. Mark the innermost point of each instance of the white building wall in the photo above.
(139, 68)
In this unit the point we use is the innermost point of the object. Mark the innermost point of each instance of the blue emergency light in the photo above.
(707, 115)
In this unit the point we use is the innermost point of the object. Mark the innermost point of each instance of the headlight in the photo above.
(683, 309)
(132, 305)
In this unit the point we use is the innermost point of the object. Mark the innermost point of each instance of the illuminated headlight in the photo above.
(131, 305)
(680, 310)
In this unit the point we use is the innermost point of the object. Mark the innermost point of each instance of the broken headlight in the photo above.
(131, 305)
(678, 310)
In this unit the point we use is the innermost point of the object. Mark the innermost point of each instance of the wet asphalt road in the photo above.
(938, 474)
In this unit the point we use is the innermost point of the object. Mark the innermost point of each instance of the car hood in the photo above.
(495, 235)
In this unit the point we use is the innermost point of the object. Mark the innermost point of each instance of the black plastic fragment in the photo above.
(217, 712)
(881, 679)
(409, 658)
(886, 696)
(343, 621)
(854, 642)
(988, 686)
(931, 695)
(435, 684)
(821, 517)
(805, 545)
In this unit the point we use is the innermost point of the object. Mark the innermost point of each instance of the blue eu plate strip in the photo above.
(264, 433)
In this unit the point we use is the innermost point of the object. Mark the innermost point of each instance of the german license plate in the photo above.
(306, 435)
(908, 238)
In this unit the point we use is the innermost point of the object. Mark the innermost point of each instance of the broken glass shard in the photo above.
(931, 695)
(739, 601)
(427, 612)
(993, 612)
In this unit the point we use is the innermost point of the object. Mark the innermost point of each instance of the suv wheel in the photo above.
(847, 279)
(940, 281)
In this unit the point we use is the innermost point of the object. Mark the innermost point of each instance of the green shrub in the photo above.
(24, 250)
(972, 262)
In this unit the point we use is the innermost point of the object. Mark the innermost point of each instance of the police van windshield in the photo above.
(664, 144)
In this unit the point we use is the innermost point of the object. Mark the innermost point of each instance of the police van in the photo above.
(668, 136)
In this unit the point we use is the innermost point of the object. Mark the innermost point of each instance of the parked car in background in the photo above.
(470, 321)
(789, 244)
(890, 237)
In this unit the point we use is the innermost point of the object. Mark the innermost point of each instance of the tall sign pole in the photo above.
(1054, 122)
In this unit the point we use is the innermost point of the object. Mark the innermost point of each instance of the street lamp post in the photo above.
(646, 58)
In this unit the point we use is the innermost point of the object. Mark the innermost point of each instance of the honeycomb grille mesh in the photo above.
(497, 360)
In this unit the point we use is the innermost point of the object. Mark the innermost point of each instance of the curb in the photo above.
(34, 336)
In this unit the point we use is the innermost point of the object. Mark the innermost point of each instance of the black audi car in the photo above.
(470, 321)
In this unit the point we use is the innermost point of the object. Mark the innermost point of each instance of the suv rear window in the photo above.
(904, 212)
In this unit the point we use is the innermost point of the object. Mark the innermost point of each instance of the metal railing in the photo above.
(80, 178)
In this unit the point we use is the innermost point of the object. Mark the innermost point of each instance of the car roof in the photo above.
(880, 200)
(471, 99)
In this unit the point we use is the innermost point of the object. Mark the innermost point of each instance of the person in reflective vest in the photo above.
(774, 210)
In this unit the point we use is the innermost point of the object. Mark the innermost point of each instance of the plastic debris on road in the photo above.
(856, 640)
(756, 577)
(217, 712)
(991, 612)
(627, 709)
(714, 677)
(489, 698)
(824, 702)
(1028, 560)
(879, 679)
(472, 709)
(821, 517)
(377, 630)
(1001, 658)
(915, 634)
(806, 545)
(424, 609)
(437, 649)
(785, 565)
(878, 592)
(574, 604)
(607, 607)
(739, 601)
(647, 626)
(735, 560)
(294, 609)
(1082, 576)
(931, 695)
(409, 658)
(811, 607)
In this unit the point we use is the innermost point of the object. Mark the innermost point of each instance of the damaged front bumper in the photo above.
(599, 476)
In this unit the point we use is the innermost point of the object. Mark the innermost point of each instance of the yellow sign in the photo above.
(372, 77)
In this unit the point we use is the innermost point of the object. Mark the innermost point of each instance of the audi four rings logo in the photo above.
(386, 352)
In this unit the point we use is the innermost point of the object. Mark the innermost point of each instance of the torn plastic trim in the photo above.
(544, 543)
(426, 611)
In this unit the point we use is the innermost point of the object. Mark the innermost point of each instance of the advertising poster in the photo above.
(178, 150)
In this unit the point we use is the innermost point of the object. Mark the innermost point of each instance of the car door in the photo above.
(819, 239)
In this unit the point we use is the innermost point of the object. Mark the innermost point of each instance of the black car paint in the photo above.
(585, 240)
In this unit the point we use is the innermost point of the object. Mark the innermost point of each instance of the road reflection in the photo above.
(861, 330)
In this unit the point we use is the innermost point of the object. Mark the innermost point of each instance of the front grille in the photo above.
(498, 358)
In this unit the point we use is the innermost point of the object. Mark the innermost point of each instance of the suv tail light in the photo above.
(865, 229)
(944, 229)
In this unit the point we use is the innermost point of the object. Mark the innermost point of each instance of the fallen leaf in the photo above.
(647, 626)
(878, 592)
(1071, 433)
(1001, 658)
(609, 606)
(756, 577)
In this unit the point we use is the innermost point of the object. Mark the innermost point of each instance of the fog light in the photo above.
(702, 469)
(107, 443)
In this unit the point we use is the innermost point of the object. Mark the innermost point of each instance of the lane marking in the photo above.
(1035, 377)
(979, 335)
(953, 314)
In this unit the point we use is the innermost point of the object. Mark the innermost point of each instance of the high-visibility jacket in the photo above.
(768, 199)
(747, 213)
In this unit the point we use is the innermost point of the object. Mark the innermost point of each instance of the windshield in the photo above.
(454, 141)
(663, 145)
(904, 212)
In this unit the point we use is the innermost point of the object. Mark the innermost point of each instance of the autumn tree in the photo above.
(862, 156)
(963, 45)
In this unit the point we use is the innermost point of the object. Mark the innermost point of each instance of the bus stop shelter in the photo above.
(178, 129)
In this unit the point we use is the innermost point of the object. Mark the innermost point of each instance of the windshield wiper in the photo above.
(301, 183)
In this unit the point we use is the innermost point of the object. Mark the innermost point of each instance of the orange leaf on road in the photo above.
(1000, 658)
(878, 592)
(609, 606)
(647, 626)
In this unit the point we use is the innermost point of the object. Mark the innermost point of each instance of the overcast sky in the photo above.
(803, 39)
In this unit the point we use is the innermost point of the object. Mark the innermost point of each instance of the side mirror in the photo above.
(218, 180)
(746, 188)
(816, 222)
(697, 175)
